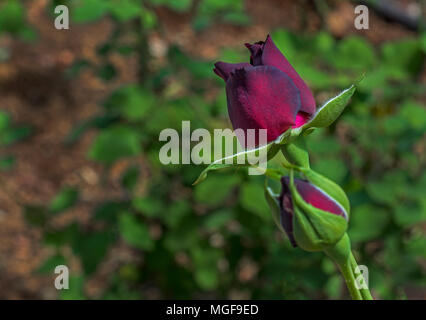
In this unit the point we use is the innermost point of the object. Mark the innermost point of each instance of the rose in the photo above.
(311, 218)
(267, 93)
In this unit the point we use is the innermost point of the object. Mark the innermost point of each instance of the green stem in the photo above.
(349, 277)
(340, 253)
(365, 293)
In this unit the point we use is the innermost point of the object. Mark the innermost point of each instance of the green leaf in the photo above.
(333, 168)
(132, 102)
(177, 5)
(404, 56)
(65, 236)
(414, 114)
(150, 207)
(89, 10)
(14, 134)
(12, 18)
(218, 219)
(252, 198)
(114, 143)
(124, 10)
(247, 158)
(65, 199)
(331, 110)
(130, 178)
(4, 121)
(215, 190)
(409, 215)
(50, 264)
(92, 248)
(367, 223)
(135, 232)
(354, 53)
(75, 291)
(207, 278)
(272, 199)
(237, 18)
(107, 72)
(7, 162)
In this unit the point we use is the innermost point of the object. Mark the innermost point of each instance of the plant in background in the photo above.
(269, 94)
(384, 181)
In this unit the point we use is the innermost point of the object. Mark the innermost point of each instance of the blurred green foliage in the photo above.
(10, 134)
(201, 242)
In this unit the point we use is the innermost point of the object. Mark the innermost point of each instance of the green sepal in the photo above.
(313, 228)
(272, 199)
(296, 153)
(271, 148)
(329, 111)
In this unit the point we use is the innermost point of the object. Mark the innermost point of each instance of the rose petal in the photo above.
(262, 97)
(287, 212)
(316, 197)
(223, 69)
(267, 54)
(301, 119)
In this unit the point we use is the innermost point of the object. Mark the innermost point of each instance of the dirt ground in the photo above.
(35, 92)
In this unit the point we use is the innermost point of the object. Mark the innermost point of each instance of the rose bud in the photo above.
(311, 218)
(267, 93)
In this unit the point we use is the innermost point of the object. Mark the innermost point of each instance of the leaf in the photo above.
(50, 264)
(207, 278)
(135, 232)
(354, 52)
(14, 134)
(333, 168)
(89, 10)
(125, 10)
(7, 162)
(218, 219)
(63, 200)
(132, 102)
(177, 5)
(114, 143)
(107, 72)
(409, 215)
(150, 207)
(130, 178)
(367, 223)
(215, 190)
(246, 158)
(272, 199)
(252, 199)
(4, 121)
(75, 291)
(92, 248)
(331, 110)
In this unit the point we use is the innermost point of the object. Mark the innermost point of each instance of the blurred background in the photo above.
(80, 179)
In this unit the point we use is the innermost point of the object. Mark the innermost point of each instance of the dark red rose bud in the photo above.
(223, 69)
(267, 54)
(311, 195)
(266, 94)
(262, 97)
